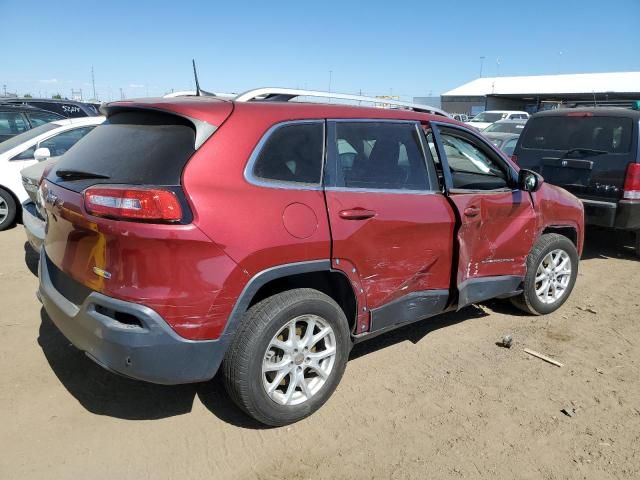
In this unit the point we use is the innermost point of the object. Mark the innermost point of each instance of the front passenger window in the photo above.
(471, 168)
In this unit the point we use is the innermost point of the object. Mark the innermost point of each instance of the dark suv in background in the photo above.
(593, 153)
(16, 119)
(66, 108)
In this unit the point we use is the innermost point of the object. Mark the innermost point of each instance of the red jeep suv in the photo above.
(265, 237)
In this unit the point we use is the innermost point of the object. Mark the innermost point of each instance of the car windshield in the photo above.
(488, 117)
(26, 136)
(505, 127)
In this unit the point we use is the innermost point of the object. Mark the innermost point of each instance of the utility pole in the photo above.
(481, 64)
(498, 67)
(4, 87)
(121, 94)
(93, 82)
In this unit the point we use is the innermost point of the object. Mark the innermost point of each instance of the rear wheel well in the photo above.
(334, 284)
(569, 232)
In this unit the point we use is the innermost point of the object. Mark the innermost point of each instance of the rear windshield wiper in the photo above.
(589, 151)
(69, 174)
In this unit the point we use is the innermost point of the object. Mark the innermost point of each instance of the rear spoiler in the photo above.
(203, 129)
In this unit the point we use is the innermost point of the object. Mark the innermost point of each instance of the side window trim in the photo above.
(331, 161)
(494, 154)
(282, 184)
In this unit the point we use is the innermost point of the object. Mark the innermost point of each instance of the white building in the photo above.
(538, 92)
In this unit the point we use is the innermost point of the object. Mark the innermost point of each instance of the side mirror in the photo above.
(529, 181)
(41, 154)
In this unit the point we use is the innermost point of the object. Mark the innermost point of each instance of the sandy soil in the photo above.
(435, 400)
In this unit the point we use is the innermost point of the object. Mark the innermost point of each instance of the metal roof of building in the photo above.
(615, 82)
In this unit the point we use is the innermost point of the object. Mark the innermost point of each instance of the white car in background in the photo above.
(484, 119)
(48, 140)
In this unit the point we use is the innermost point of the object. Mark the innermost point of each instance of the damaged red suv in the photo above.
(264, 238)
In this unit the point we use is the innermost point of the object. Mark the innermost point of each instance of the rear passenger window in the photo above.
(379, 155)
(292, 153)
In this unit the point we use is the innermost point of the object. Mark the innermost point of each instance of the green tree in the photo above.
(57, 96)
(27, 95)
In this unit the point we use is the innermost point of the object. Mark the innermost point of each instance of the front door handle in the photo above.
(356, 214)
(471, 211)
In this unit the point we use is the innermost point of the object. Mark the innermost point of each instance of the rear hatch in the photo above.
(95, 242)
(586, 153)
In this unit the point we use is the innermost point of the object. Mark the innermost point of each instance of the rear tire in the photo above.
(263, 374)
(637, 242)
(552, 268)
(8, 209)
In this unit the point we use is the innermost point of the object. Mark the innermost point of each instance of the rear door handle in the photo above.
(471, 211)
(356, 214)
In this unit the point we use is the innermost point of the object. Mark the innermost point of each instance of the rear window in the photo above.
(292, 153)
(506, 127)
(609, 134)
(138, 148)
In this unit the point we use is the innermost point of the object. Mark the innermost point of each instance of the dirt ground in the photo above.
(438, 399)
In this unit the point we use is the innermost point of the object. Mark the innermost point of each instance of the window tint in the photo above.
(380, 155)
(609, 134)
(292, 153)
(471, 167)
(59, 144)
(26, 155)
(505, 127)
(40, 118)
(138, 148)
(509, 146)
(12, 123)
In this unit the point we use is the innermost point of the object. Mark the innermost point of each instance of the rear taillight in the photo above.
(131, 203)
(514, 158)
(632, 182)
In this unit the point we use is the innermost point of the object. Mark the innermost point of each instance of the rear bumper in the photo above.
(34, 226)
(144, 348)
(622, 215)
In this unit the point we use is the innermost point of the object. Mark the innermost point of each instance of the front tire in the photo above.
(288, 356)
(8, 209)
(552, 269)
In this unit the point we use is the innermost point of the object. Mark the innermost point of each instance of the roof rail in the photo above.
(285, 94)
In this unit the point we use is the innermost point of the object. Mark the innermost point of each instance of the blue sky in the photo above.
(406, 48)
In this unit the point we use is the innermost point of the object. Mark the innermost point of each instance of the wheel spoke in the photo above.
(305, 388)
(276, 381)
(308, 334)
(319, 336)
(316, 368)
(279, 344)
(542, 288)
(275, 366)
(317, 356)
(293, 383)
(293, 336)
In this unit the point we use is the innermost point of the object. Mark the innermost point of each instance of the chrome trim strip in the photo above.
(381, 190)
(287, 94)
(280, 184)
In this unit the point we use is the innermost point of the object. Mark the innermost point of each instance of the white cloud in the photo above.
(49, 80)
(136, 85)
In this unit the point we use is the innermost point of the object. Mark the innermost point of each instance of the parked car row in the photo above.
(35, 145)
